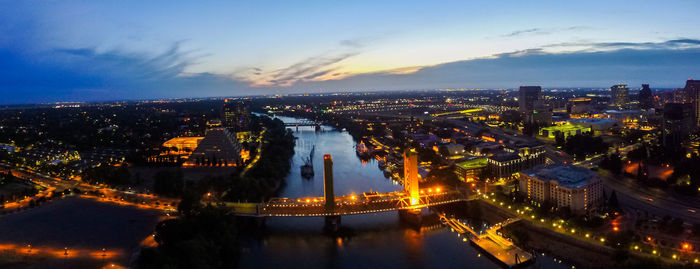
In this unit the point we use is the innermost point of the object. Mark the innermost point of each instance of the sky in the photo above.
(123, 50)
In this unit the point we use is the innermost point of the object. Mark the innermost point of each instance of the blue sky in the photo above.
(107, 50)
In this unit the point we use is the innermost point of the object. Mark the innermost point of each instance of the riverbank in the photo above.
(579, 253)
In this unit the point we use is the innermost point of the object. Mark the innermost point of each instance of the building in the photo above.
(565, 129)
(507, 163)
(218, 148)
(578, 106)
(646, 98)
(597, 126)
(235, 115)
(677, 124)
(577, 188)
(527, 97)
(541, 114)
(620, 96)
(470, 169)
(692, 89)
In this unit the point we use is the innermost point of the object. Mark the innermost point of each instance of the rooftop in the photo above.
(473, 163)
(593, 121)
(565, 175)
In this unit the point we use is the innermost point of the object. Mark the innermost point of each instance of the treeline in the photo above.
(582, 145)
(202, 237)
(107, 174)
(263, 180)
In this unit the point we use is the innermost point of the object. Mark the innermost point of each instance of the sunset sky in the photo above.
(115, 50)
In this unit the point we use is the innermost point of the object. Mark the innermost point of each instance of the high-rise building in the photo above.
(646, 98)
(678, 121)
(235, 115)
(527, 97)
(579, 106)
(541, 114)
(577, 188)
(620, 96)
(692, 89)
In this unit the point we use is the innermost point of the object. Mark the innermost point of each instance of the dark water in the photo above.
(379, 240)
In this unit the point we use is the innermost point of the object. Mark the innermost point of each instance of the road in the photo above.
(124, 197)
(655, 201)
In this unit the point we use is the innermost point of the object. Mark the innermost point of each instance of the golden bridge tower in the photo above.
(410, 184)
(328, 182)
(410, 174)
(332, 222)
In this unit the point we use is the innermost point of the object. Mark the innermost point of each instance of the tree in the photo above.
(559, 139)
(612, 201)
(204, 238)
(168, 183)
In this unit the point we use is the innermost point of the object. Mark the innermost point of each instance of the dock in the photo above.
(492, 244)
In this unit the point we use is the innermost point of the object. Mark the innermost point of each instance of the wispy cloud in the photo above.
(544, 31)
(326, 65)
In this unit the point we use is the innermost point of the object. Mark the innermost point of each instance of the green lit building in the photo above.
(469, 170)
(566, 129)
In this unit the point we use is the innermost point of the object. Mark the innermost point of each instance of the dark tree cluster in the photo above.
(583, 145)
(205, 238)
(168, 183)
(107, 174)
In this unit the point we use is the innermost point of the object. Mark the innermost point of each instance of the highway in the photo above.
(141, 200)
(655, 201)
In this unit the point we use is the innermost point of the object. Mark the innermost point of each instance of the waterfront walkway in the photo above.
(490, 242)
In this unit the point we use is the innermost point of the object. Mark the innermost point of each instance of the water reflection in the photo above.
(378, 240)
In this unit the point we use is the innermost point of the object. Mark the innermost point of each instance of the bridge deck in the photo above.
(346, 205)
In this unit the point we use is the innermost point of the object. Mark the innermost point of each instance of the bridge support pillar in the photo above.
(332, 224)
(412, 217)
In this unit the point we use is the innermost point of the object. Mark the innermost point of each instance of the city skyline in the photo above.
(85, 51)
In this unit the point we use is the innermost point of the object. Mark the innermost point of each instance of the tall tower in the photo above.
(527, 97)
(235, 115)
(328, 182)
(410, 174)
(620, 96)
(646, 99)
(692, 89)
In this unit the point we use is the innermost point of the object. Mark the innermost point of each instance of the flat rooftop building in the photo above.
(577, 188)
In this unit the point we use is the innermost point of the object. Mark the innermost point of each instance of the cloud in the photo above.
(544, 31)
(88, 74)
(662, 64)
(84, 74)
(684, 43)
(312, 68)
(521, 32)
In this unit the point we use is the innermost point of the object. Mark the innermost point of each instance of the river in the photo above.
(380, 240)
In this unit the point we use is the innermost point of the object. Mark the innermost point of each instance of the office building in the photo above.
(513, 159)
(527, 97)
(620, 96)
(577, 188)
(692, 89)
(646, 98)
(677, 124)
(235, 115)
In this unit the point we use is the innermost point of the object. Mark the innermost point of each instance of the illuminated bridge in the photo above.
(408, 201)
(348, 205)
(303, 122)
